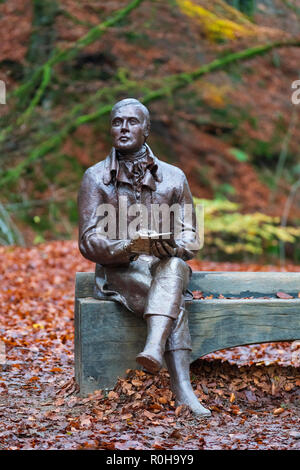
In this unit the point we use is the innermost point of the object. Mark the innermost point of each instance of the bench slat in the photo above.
(242, 284)
(245, 284)
(221, 324)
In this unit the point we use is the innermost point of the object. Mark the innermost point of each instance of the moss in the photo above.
(248, 7)
(72, 211)
(134, 37)
(43, 36)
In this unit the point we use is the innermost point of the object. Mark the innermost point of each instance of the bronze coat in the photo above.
(117, 276)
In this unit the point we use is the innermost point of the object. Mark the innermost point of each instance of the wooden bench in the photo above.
(108, 337)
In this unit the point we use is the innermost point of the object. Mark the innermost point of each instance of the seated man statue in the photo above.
(144, 269)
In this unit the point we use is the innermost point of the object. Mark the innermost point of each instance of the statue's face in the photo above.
(127, 128)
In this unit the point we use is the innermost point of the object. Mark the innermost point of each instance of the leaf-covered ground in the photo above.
(253, 391)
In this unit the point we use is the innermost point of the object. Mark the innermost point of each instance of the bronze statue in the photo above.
(143, 268)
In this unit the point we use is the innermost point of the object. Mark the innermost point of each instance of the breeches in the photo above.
(150, 286)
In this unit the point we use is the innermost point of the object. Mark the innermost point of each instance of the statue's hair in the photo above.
(133, 101)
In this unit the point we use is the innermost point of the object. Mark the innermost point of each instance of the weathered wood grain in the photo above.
(220, 324)
(84, 285)
(107, 339)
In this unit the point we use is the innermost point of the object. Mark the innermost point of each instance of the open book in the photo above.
(143, 240)
(151, 234)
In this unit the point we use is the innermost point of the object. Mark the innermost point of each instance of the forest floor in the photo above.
(253, 391)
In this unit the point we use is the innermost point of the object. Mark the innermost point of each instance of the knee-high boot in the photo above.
(178, 363)
(158, 328)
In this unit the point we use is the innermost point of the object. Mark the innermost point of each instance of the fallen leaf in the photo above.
(178, 410)
(59, 402)
(149, 415)
(33, 379)
(107, 445)
(197, 294)
(284, 295)
(289, 386)
(99, 414)
(251, 397)
(137, 383)
(38, 325)
(156, 445)
(175, 434)
(85, 421)
(163, 400)
(235, 409)
(113, 395)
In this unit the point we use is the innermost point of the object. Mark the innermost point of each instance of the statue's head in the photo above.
(130, 125)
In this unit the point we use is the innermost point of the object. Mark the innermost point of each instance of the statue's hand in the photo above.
(162, 249)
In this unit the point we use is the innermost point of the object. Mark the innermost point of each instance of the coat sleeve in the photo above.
(92, 244)
(186, 230)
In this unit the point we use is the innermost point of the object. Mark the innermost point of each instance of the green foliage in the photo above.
(9, 234)
(228, 232)
(43, 36)
(247, 7)
(276, 59)
(140, 38)
(239, 155)
(222, 190)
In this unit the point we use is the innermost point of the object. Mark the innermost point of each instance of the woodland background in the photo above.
(216, 76)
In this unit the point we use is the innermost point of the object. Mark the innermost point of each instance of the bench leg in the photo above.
(107, 340)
